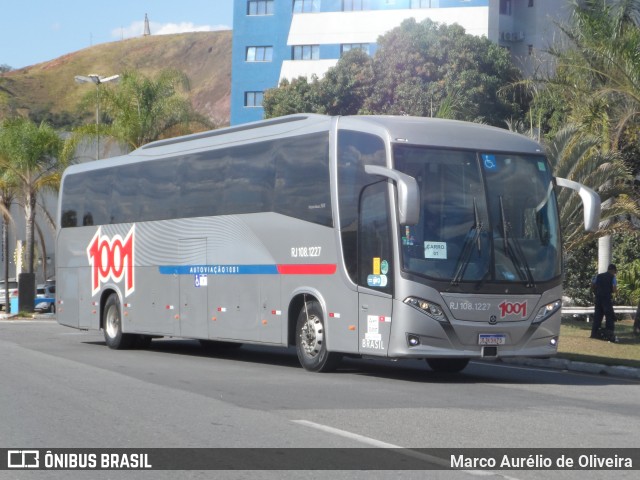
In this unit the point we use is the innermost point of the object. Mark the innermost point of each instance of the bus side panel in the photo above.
(73, 277)
(193, 289)
(193, 307)
(374, 322)
(307, 260)
(155, 303)
(246, 308)
(67, 297)
(272, 311)
(88, 308)
(233, 303)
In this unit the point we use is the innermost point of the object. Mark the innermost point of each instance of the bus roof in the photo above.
(436, 132)
(397, 129)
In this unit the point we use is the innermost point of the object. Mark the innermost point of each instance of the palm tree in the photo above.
(139, 110)
(629, 283)
(30, 159)
(7, 196)
(576, 156)
(600, 73)
(598, 78)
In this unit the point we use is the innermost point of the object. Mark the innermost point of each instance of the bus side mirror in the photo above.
(408, 193)
(590, 202)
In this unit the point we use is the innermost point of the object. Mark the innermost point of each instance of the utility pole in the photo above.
(97, 80)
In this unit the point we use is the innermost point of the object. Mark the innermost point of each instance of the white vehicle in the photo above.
(379, 236)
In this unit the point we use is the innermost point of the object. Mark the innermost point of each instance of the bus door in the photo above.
(193, 289)
(375, 273)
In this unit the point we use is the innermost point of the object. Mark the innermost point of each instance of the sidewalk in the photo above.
(574, 366)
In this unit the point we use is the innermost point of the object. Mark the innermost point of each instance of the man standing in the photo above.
(604, 285)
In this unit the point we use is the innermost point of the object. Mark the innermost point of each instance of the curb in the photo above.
(574, 366)
(36, 316)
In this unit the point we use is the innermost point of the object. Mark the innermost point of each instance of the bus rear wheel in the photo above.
(447, 365)
(311, 344)
(113, 335)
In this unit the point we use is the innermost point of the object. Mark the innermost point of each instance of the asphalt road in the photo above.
(63, 388)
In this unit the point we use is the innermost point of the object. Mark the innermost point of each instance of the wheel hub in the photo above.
(111, 323)
(312, 336)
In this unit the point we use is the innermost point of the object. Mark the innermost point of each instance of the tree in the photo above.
(576, 156)
(422, 69)
(596, 86)
(599, 74)
(29, 156)
(345, 88)
(297, 96)
(342, 91)
(7, 195)
(139, 110)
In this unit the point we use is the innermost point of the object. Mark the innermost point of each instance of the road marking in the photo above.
(402, 450)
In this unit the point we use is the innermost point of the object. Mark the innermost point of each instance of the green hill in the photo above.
(204, 56)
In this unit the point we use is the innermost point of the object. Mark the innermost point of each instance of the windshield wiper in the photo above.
(472, 237)
(514, 251)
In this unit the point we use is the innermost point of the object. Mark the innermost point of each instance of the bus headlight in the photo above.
(546, 311)
(428, 308)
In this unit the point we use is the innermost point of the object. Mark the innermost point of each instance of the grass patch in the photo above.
(575, 344)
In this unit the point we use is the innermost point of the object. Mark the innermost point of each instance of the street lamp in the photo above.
(97, 80)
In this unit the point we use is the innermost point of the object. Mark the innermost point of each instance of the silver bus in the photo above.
(372, 236)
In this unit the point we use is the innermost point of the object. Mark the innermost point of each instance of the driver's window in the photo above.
(374, 239)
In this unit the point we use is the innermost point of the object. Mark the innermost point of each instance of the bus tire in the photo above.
(311, 344)
(113, 335)
(447, 365)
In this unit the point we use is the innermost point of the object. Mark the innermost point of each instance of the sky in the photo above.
(34, 31)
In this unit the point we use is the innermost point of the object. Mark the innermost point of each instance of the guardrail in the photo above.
(589, 311)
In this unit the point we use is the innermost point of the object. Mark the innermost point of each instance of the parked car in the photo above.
(45, 298)
(45, 301)
(13, 290)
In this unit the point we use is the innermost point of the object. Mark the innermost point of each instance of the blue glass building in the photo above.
(277, 39)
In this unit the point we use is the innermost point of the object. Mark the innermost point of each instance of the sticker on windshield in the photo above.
(542, 167)
(376, 265)
(377, 280)
(437, 250)
(407, 239)
(384, 267)
(489, 162)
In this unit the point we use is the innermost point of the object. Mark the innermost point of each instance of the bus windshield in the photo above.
(485, 217)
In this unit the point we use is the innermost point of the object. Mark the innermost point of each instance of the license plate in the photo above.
(492, 339)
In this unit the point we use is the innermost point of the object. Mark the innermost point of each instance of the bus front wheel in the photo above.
(311, 344)
(113, 335)
(447, 365)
